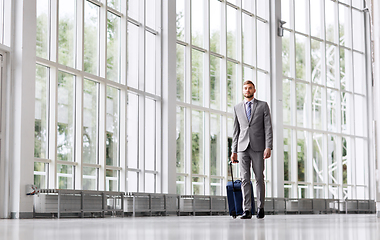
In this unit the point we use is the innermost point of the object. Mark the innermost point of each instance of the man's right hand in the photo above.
(234, 158)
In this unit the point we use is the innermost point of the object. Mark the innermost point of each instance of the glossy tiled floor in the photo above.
(310, 227)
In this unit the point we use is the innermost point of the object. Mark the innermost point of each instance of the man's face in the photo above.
(248, 91)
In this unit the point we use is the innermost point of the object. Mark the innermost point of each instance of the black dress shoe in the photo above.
(246, 215)
(260, 213)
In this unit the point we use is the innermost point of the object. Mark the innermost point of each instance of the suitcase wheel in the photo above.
(233, 216)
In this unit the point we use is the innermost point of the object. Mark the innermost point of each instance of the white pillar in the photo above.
(168, 171)
(376, 94)
(276, 111)
(4, 144)
(22, 110)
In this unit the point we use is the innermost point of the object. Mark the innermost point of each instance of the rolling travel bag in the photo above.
(235, 197)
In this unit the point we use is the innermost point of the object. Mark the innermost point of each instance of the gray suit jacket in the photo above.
(256, 132)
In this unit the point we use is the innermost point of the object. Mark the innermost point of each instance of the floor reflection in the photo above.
(310, 227)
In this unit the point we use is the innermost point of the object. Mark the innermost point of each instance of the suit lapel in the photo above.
(254, 105)
(242, 107)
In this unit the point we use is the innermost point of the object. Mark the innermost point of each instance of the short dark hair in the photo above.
(249, 82)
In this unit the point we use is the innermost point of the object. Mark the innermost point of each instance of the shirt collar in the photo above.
(245, 101)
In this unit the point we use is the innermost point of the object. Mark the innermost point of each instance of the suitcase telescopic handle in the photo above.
(232, 175)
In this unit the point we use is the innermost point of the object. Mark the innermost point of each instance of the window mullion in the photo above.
(188, 54)
(102, 119)
(206, 96)
(103, 41)
(80, 35)
(223, 52)
(54, 30)
(53, 116)
(188, 150)
(187, 110)
(78, 149)
(293, 160)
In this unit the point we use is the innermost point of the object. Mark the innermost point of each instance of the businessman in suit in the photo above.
(252, 141)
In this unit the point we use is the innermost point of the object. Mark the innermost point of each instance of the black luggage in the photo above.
(235, 197)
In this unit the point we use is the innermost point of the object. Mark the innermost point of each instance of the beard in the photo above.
(247, 95)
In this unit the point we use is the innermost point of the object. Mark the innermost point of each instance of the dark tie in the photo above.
(249, 110)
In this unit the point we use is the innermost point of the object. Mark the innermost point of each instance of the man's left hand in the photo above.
(267, 153)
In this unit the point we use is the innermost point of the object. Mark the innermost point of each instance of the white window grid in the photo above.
(204, 106)
(77, 71)
(334, 190)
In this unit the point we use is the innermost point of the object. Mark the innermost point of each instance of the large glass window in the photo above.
(112, 126)
(197, 82)
(180, 143)
(150, 13)
(150, 63)
(316, 61)
(231, 32)
(113, 47)
(90, 121)
(215, 142)
(301, 56)
(197, 22)
(287, 110)
(331, 65)
(133, 131)
(330, 16)
(330, 80)
(262, 46)
(215, 82)
(40, 175)
(301, 19)
(90, 134)
(248, 47)
(133, 53)
(91, 38)
(302, 110)
(91, 128)
(318, 173)
(132, 141)
(215, 25)
(228, 44)
(112, 180)
(344, 26)
(42, 34)
(287, 154)
(286, 61)
(231, 85)
(150, 135)
(316, 16)
(180, 20)
(197, 139)
(302, 149)
(65, 176)
(317, 107)
(90, 178)
(67, 32)
(98, 93)
(180, 70)
(358, 30)
(41, 112)
(41, 127)
(66, 117)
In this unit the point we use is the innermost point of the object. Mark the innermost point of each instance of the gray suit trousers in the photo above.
(255, 159)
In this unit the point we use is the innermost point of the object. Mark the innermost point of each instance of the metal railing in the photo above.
(58, 202)
(79, 202)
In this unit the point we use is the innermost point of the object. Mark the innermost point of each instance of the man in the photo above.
(253, 140)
